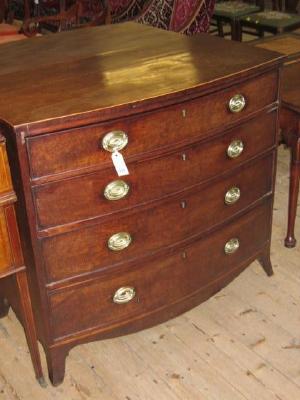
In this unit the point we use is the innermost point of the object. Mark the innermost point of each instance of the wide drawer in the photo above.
(74, 149)
(166, 224)
(80, 198)
(160, 283)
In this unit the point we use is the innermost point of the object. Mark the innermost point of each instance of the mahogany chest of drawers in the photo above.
(196, 122)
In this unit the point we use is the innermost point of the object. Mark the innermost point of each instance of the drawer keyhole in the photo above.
(183, 157)
(184, 255)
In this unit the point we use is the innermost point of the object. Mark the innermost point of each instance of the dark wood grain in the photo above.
(7, 197)
(287, 44)
(187, 271)
(6, 261)
(5, 178)
(73, 150)
(290, 86)
(86, 249)
(77, 199)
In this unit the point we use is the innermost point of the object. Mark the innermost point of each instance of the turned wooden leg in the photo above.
(4, 307)
(220, 28)
(265, 262)
(26, 9)
(29, 325)
(239, 31)
(290, 240)
(56, 361)
(235, 30)
(2, 10)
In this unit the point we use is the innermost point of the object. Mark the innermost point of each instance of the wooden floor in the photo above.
(244, 343)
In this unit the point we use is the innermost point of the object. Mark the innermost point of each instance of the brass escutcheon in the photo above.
(116, 190)
(237, 103)
(119, 241)
(114, 141)
(232, 195)
(124, 295)
(232, 246)
(235, 149)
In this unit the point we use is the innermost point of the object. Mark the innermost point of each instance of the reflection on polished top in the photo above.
(120, 65)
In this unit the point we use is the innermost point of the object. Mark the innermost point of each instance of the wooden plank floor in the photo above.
(244, 343)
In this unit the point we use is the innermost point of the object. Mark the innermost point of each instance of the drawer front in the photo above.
(5, 179)
(6, 260)
(88, 249)
(81, 148)
(158, 284)
(80, 198)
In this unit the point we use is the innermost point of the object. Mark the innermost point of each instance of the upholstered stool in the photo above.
(271, 21)
(231, 12)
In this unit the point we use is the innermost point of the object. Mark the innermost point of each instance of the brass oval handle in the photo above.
(237, 103)
(119, 241)
(115, 141)
(235, 149)
(232, 246)
(116, 190)
(232, 195)
(124, 295)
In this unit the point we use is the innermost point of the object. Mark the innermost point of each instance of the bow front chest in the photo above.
(195, 122)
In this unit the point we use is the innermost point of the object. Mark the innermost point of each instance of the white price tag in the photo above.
(119, 163)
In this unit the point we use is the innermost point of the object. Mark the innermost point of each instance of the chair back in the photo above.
(285, 5)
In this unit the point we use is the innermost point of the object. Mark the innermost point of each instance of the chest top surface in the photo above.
(114, 66)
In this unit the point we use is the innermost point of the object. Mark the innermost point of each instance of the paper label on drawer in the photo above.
(119, 163)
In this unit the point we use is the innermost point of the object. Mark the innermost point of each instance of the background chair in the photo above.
(230, 12)
(282, 18)
(58, 16)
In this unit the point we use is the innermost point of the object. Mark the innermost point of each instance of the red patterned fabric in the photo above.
(186, 16)
(192, 16)
(124, 10)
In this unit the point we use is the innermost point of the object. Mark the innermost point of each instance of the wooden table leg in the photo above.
(4, 307)
(26, 9)
(2, 10)
(233, 30)
(29, 325)
(236, 30)
(290, 240)
(220, 27)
